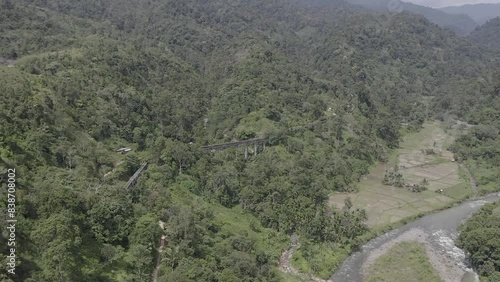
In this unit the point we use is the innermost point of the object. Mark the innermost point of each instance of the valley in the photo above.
(436, 231)
(273, 141)
(386, 205)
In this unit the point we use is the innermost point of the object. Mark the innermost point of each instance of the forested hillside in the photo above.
(480, 148)
(326, 83)
(488, 35)
(479, 237)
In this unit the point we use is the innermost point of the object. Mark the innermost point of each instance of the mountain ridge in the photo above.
(488, 35)
(480, 13)
(461, 24)
(326, 84)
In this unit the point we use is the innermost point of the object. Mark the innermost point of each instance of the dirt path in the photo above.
(163, 241)
(472, 180)
(114, 169)
(158, 258)
(285, 264)
(8, 62)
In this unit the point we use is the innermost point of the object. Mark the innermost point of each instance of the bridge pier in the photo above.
(238, 144)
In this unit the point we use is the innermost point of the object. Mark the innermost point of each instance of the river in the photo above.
(439, 230)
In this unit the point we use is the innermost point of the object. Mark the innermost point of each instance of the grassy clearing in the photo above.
(458, 191)
(405, 262)
(387, 205)
(232, 222)
(236, 221)
(440, 160)
(300, 263)
(323, 258)
(496, 211)
(486, 177)
(290, 278)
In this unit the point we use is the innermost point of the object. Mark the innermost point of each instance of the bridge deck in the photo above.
(136, 175)
(234, 144)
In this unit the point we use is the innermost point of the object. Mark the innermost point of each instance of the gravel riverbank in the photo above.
(447, 261)
(436, 231)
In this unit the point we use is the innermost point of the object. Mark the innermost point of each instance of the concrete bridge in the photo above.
(246, 143)
(214, 148)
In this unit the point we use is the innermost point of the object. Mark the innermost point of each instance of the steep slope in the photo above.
(480, 13)
(488, 35)
(461, 24)
(326, 84)
(478, 238)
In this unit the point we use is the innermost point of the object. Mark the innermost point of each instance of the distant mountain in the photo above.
(378, 5)
(480, 13)
(461, 24)
(488, 35)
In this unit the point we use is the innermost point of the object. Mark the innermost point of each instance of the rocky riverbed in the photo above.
(436, 231)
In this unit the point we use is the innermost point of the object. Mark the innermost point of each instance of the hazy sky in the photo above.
(444, 3)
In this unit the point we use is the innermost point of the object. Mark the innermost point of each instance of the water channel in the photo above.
(439, 229)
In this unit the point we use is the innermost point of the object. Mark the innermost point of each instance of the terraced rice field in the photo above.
(388, 204)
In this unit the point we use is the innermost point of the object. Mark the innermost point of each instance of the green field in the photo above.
(387, 204)
(323, 258)
(290, 278)
(405, 262)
